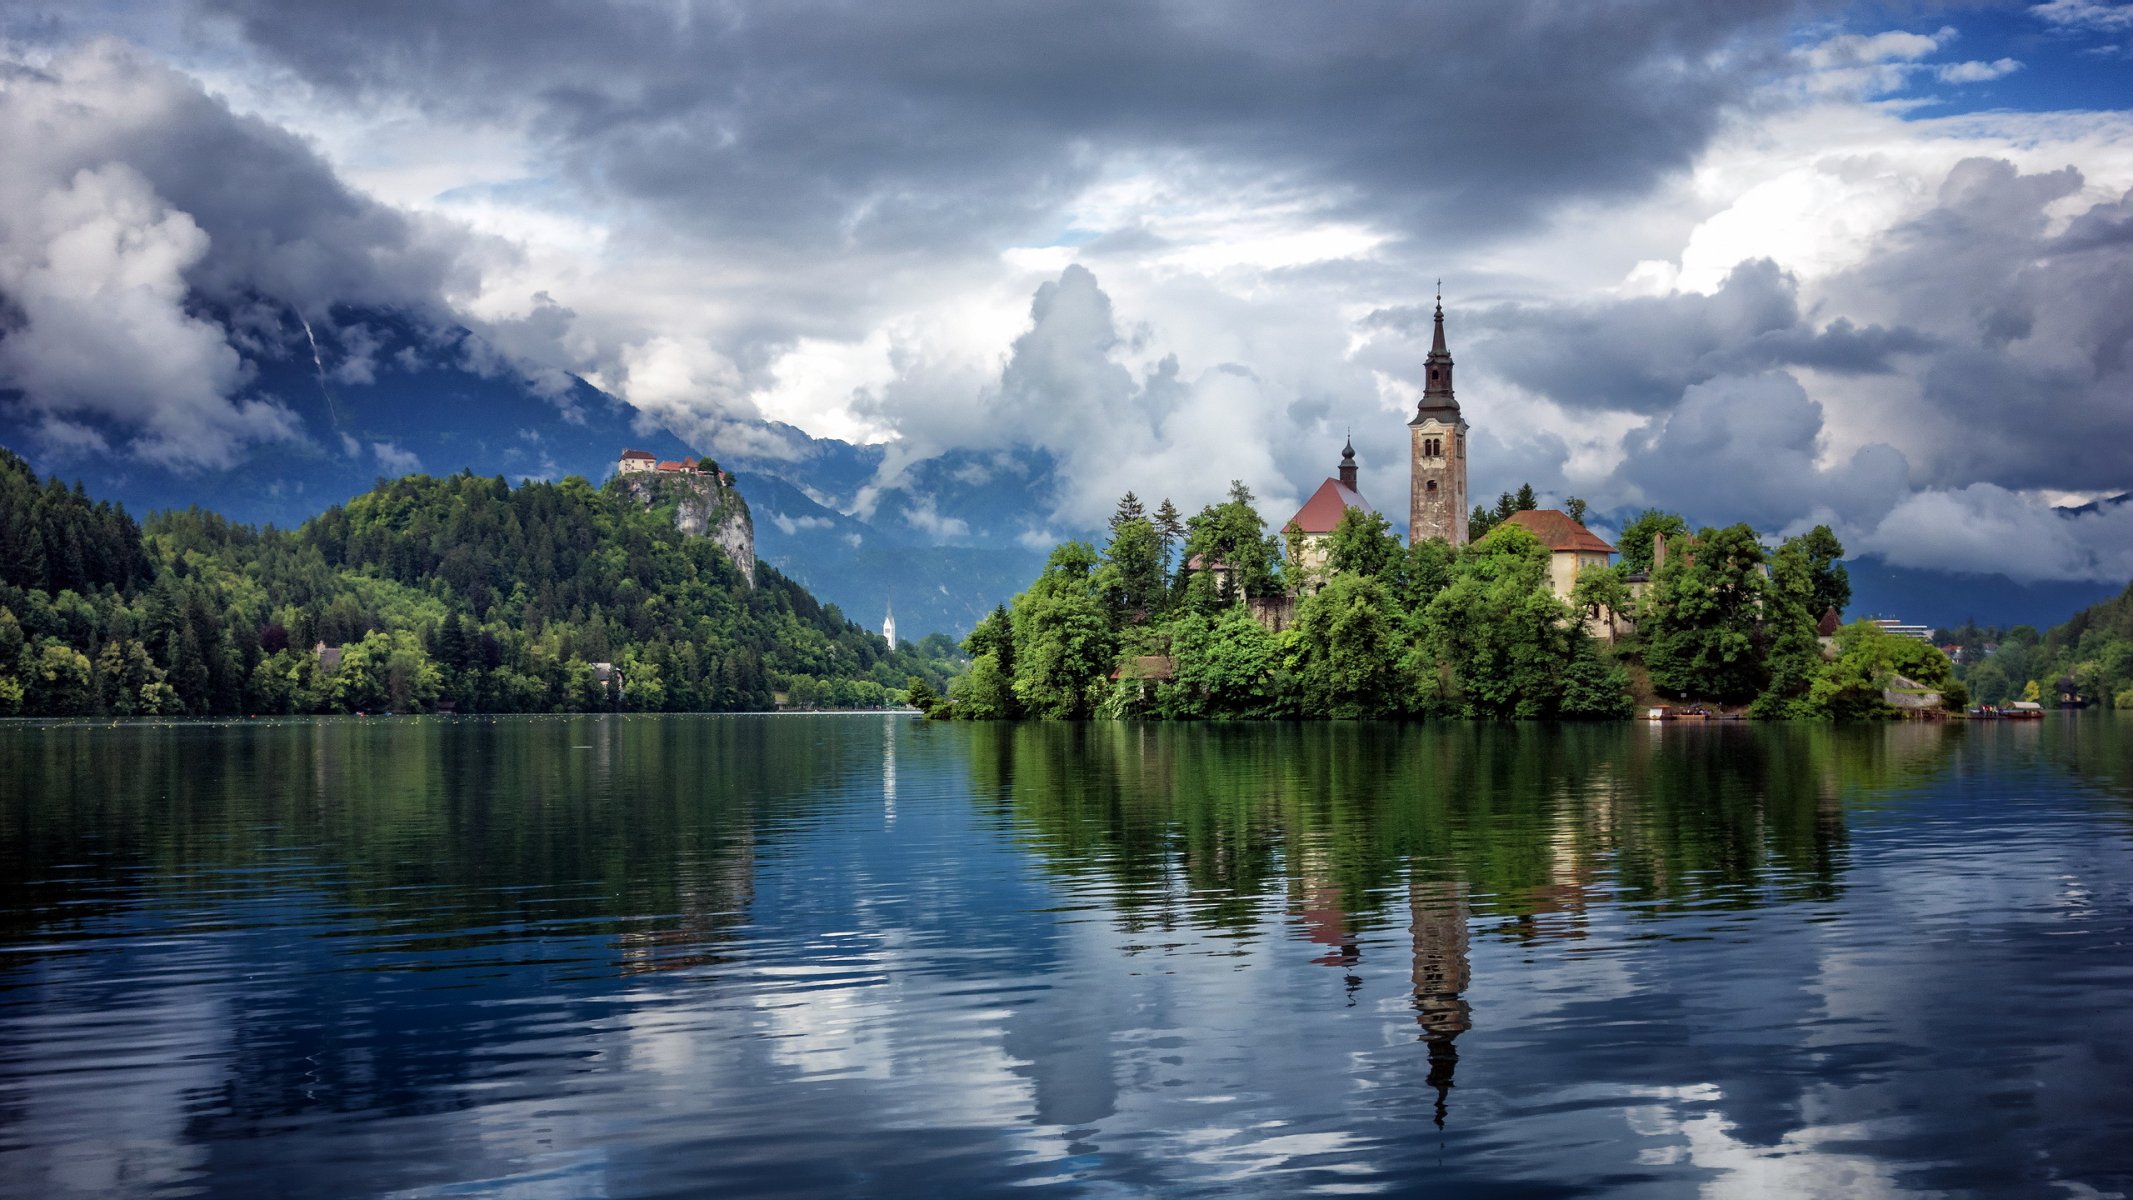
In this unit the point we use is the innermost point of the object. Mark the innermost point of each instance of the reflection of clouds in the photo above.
(1803, 1163)
(106, 1095)
(1240, 1154)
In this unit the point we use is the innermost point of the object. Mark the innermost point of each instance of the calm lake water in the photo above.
(870, 956)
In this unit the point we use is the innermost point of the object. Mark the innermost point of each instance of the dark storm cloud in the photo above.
(144, 229)
(2031, 386)
(924, 125)
(1640, 354)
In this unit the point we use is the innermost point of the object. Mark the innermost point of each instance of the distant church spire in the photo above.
(1348, 464)
(1436, 490)
(1438, 386)
(888, 626)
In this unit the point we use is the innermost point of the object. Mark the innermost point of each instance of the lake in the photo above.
(871, 956)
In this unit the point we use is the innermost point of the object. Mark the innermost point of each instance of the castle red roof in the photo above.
(646, 455)
(670, 466)
(1558, 531)
(1323, 510)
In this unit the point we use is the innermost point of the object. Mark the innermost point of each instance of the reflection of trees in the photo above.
(352, 858)
(1511, 832)
(1203, 824)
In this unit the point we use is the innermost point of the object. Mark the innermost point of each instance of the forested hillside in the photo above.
(462, 593)
(2088, 659)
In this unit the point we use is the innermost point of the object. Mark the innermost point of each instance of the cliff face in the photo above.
(703, 507)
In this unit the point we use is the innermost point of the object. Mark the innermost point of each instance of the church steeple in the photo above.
(1437, 384)
(1436, 496)
(1348, 464)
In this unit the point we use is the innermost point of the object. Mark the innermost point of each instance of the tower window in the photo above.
(1431, 486)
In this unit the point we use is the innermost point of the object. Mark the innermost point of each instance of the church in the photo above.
(1437, 505)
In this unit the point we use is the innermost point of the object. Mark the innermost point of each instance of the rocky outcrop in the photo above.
(703, 507)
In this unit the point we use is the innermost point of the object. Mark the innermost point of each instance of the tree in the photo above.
(1601, 592)
(1426, 571)
(1132, 575)
(1225, 665)
(1793, 652)
(1576, 508)
(985, 691)
(1636, 540)
(920, 695)
(1988, 684)
(1832, 583)
(1170, 527)
(1232, 536)
(1129, 509)
(1495, 640)
(1344, 650)
(1702, 619)
(1594, 689)
(1063, 642)
(1363, 543)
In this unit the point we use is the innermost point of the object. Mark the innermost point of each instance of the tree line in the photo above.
(1171, 620)
(2087, 660)
(425, 593)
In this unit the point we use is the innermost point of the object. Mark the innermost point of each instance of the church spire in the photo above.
(1348, 464)
(1438, 386)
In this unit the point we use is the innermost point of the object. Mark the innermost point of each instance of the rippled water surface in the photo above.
(871, 956)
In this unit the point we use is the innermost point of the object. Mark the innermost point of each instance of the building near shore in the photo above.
(1571, 546)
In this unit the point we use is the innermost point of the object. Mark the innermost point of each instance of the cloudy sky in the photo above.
(1756, 260)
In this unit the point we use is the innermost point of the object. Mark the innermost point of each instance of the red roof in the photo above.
(1557, 531)
(670, 466)
(1323, 510)
(646, 455)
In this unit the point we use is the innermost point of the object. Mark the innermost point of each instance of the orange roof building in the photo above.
(1572, 547)
(1318, 517)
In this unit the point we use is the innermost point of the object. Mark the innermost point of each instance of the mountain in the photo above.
(1944, 600)
(378, 394)
(385, 396)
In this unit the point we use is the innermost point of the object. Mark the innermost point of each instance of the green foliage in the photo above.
(1363, 544)
(1793, 652)
(1232, 535)
(459, 590)
(1702, 618)
(1832, 584)
(1636, 540)
(1495, 641)
(1602, 594)
(1131, 578)
(1063, 637)
(1226, 666)
(1344, 650)
(1595, 688)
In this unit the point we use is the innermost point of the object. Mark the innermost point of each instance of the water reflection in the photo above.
(819, 955)
(1442, 974)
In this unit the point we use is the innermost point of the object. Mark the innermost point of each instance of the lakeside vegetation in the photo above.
(461, 592)
(1168, 621)
(2088, 659)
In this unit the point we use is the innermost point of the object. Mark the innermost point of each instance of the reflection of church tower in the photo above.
(1436, 502)
(888, 626)
(1442, 974)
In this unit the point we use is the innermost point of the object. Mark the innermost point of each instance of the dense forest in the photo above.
(461, 593)
(1171, 619)
(2088, 660)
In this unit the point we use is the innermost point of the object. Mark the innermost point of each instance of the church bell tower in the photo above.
(1436, 505)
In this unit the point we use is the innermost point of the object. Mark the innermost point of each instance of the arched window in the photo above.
(1431, 486)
